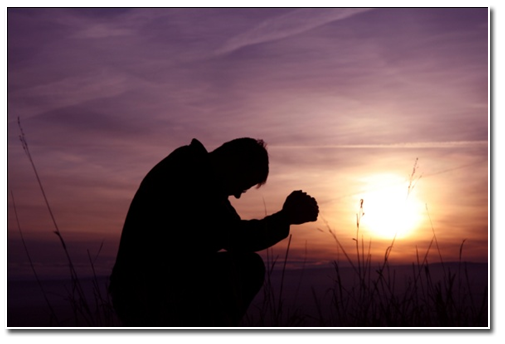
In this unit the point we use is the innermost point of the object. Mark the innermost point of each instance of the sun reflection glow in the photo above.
(390, 207)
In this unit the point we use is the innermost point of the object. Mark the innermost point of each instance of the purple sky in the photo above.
(346, 99)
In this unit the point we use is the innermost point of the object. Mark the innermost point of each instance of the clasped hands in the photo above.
(299, 208)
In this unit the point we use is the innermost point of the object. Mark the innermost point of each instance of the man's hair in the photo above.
(247, 154)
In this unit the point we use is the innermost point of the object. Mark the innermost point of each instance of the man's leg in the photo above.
(212, 291)
(236, 279)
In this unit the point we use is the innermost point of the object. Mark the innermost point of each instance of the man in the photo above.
(185, 257)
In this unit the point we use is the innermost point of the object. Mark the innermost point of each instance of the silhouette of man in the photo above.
(185, 257)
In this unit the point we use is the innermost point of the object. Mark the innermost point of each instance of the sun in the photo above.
(389, 207)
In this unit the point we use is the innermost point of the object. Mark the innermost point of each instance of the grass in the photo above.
(376, 295)
(274, 310)
(376, 301)
(375, 298)
(85, 313)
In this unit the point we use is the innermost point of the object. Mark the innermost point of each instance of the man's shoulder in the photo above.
(183, 158)
(197, 146)
(193, 152)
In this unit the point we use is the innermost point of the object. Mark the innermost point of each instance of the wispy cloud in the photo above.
(102, 30)
(286, 25)
(93, 27)
(33, 100)
(439, 144)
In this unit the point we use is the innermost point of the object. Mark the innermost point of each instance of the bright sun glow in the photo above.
(389, 208)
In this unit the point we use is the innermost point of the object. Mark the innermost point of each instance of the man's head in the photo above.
(241, 164)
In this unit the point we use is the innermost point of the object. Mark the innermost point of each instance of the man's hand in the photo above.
(300, 208)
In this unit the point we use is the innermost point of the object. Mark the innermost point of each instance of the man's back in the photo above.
(161, 224)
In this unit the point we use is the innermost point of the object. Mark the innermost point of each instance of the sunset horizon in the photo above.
(381, 115)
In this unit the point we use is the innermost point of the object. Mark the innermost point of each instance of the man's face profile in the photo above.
(240, 182)
(242, 189)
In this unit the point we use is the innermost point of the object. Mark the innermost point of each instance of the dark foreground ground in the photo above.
(295, 298)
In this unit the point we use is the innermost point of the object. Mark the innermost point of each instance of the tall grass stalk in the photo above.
(77, 291)
(283, 272)
(273, 311)
(53, 316)
(80, 306)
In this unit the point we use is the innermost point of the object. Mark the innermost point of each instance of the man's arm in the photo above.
(257, 235)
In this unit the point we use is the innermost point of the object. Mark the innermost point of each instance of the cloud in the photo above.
(91, 24)
(286, 25)
(104, 95)
(415, 145)
(102, 30)
(69, 91)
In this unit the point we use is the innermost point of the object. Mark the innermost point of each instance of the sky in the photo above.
(387, 105)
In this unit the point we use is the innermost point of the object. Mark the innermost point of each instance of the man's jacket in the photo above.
(178, 217)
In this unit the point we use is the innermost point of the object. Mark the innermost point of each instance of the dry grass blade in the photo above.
(32, 266)
(77, 293)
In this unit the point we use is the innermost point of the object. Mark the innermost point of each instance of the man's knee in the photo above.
(255, 263)
(247, 266)
(252, 269)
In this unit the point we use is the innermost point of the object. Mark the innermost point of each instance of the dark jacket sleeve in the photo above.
(248, 235)
(256, 235)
